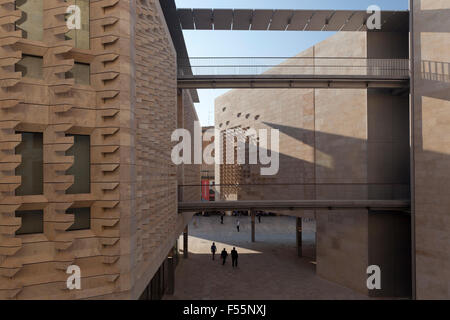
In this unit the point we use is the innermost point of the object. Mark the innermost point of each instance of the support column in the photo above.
(252, 213)
(185, 243)
(180, 125)
(299, 237)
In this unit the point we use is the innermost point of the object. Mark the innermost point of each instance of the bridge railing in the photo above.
(298, 66)
(293, 191)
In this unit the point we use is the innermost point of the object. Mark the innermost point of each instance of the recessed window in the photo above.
(30, 66)
(81, 36)
(81, 72)
(257, 117)
(223, 109)
(82, 218)
(32, 222)
(239, 115)
(81, 169)
(31, 166)
(31, 23)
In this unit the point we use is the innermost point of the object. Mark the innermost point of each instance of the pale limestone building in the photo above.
(362, 144)
(431, 147)
(332, 146)
(86, 174)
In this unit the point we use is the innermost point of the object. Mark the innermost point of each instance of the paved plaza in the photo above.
(268, 269)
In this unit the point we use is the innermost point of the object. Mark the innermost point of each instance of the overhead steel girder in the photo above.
(261, 82)
(376, 205)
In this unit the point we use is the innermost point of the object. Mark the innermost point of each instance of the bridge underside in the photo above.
(273, 82)
(288, 20)
(375, 205)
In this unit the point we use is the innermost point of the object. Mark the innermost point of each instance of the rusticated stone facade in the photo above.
(129, 110)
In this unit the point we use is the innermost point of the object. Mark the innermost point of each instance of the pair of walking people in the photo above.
(224, 255)
(238, 223)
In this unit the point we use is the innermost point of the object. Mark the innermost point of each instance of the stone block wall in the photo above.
(156, 119)
(326, 141)
(129, 110)
(191, 171)
(431, 156)
(34, 266)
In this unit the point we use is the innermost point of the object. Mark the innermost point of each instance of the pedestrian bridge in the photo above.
(254, 205)
(293, 72)
(377, 206)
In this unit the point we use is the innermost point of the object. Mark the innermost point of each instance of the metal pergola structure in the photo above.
(288, 20)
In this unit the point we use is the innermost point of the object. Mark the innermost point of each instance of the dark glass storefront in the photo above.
(163, 282)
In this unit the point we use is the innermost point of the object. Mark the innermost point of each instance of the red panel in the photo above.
(205, 190)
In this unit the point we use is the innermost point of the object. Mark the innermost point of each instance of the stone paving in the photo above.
(268, 269)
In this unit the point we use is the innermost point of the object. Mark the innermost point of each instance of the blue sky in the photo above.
(261, 43)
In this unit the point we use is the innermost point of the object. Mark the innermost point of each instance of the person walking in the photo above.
(224, 256)
(195, 220)
(213, 250)
(238, 224)
(221, 218)
(234, 257)
(259, 217)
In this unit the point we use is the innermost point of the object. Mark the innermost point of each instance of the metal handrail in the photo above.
(286, 58)
(314, 66)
